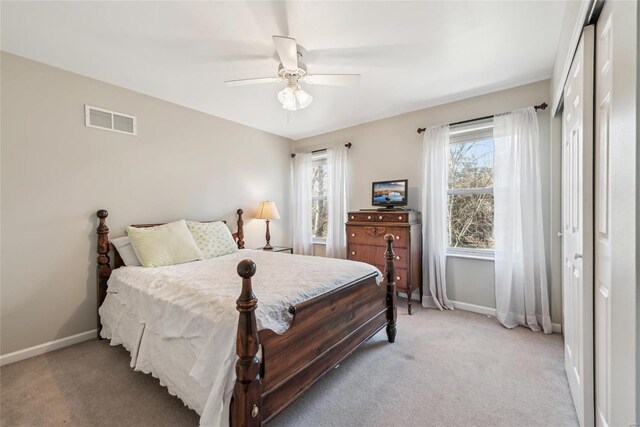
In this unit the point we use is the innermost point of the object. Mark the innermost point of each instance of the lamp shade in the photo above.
(268, 210)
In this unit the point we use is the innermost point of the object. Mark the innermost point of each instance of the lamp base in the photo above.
(268, 237)
(268, 247)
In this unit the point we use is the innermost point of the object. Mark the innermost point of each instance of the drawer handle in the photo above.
(398, 257)
(353, 252)
(380, 217)
(353, 217)
(397, 237)
(353, 234)
(397, 277)
(400, 217)
(369, 217)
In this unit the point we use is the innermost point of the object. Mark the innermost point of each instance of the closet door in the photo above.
(577, 223)
(604, 84)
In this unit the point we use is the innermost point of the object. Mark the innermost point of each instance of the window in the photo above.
(470, 193)
(319, 207)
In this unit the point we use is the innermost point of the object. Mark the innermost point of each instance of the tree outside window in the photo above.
(470, 193)
(319, 207)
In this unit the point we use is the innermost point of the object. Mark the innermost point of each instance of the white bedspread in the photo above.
(196, 301)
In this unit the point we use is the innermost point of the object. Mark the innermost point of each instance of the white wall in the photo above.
(391, 149)
(56, 173)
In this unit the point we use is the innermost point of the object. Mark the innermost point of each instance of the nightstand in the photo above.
(278, 249)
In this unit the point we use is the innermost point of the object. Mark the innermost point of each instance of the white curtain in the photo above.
(336, 246)
(434, 211)
(302, 238)
(520, 268)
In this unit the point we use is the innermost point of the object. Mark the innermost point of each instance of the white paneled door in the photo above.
(602, 235)
(577, 224)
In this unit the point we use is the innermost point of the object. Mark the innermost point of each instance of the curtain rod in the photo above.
(542, 106)
(348, 145)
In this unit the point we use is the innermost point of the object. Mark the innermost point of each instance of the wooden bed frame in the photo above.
(273, 370)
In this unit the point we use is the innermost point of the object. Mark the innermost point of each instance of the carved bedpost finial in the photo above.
(240, 229)
(247, 392)
(389, 278)
(246, 269)
(104, 262)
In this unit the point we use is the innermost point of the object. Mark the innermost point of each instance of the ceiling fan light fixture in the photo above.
(287, 98)
(293, 71)
(304, 99)
(293, 98)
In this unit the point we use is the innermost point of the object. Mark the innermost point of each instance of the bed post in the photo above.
(247, 393)
(104, 262)
(240, 229)
(389, 278)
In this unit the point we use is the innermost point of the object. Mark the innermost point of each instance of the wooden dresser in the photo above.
(365, 232)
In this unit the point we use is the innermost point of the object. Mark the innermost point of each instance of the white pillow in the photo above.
(213, 238)
(166, 244)
(125, 250)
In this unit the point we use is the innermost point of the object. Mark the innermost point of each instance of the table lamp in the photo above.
(268, 211)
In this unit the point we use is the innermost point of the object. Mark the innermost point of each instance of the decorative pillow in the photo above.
(126, 251)
(166, 244)
(213, 238)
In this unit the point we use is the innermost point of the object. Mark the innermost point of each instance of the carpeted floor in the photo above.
(445, 369)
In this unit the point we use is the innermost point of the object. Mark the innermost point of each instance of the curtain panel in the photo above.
(302, 200)
(520, 268)
(434, 224)
(337, 198)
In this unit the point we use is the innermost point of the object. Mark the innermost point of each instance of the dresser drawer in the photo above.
(400, 259)
(363, 253)
(400, 279)
(375, 255)
(362, 216)
(391, 217)
(374, 235)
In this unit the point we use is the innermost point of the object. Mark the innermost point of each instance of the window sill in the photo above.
(472, 255)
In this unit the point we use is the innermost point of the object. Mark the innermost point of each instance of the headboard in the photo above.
(104, 247)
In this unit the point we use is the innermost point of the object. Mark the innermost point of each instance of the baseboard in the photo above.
(474, 308)
(414, 296)
(37, 350)
(556, 328)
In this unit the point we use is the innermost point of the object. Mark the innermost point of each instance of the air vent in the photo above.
(109, 120)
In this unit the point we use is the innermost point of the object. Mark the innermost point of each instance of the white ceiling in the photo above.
(410, 54)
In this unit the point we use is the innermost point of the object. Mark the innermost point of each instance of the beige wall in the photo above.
(56, 173)
(391, 149)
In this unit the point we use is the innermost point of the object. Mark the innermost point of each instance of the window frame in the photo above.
(316, 158)
(476, 253)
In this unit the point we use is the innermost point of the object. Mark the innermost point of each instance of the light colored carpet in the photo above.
(445, 369)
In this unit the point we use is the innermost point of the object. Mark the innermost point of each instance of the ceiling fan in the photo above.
(292, 71)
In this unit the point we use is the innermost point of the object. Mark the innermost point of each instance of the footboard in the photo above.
(273, 370)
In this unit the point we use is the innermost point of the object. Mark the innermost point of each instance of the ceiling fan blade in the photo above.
(332, 79)
(287, 51)
(244, 82)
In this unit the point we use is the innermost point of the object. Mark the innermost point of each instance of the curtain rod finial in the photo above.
(542, 106)
(420, 130)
